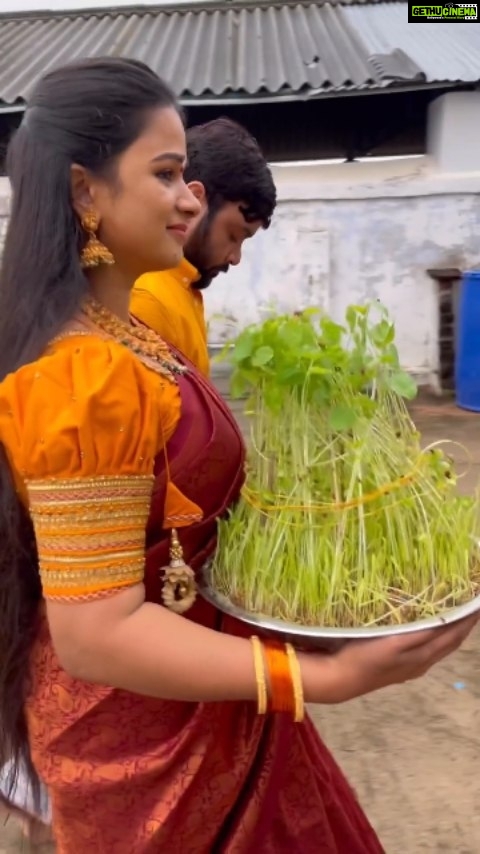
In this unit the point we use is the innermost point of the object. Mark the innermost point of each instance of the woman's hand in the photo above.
(361, 667)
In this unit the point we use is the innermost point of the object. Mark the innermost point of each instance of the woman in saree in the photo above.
(155, 724)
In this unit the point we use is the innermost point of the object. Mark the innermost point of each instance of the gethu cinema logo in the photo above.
(449, 10)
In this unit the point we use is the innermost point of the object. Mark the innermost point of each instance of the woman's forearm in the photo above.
(126, 643)
(158, 653)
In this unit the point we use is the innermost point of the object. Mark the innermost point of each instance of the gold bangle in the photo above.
(262, 697)
(296, 674)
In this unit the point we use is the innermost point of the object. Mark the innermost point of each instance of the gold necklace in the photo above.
(144, 342)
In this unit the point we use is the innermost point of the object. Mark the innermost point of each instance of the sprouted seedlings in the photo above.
(344, 519)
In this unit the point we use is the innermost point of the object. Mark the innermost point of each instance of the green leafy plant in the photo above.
(344, 520)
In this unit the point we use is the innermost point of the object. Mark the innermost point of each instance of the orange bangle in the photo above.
(282, 694)
(296, 674)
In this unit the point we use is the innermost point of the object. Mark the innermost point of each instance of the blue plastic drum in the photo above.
(467, 361)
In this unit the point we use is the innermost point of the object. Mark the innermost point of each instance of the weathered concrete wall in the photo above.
(354, 232)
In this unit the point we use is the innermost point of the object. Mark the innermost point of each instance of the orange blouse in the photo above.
(81, 428)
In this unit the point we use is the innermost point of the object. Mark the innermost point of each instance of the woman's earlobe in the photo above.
(82, 200)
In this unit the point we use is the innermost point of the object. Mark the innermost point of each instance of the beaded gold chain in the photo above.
(142, 341)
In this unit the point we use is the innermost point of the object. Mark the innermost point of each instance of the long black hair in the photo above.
(87, 113)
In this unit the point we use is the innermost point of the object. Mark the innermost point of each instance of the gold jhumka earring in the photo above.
(94, 252)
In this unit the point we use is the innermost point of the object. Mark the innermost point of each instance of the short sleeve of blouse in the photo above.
(81, 428)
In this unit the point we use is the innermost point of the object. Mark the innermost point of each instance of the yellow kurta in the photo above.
(167, 303)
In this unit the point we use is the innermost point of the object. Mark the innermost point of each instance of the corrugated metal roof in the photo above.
(446, 53)
(249, 50)
(244, 51)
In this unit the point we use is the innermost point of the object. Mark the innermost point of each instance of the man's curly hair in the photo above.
(228, 161)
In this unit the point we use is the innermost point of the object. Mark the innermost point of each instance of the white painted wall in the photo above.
(454, 131)
(354, 232)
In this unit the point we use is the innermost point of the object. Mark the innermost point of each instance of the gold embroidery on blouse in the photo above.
(90, 533)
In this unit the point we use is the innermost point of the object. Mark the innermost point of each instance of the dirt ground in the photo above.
(412, 752)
